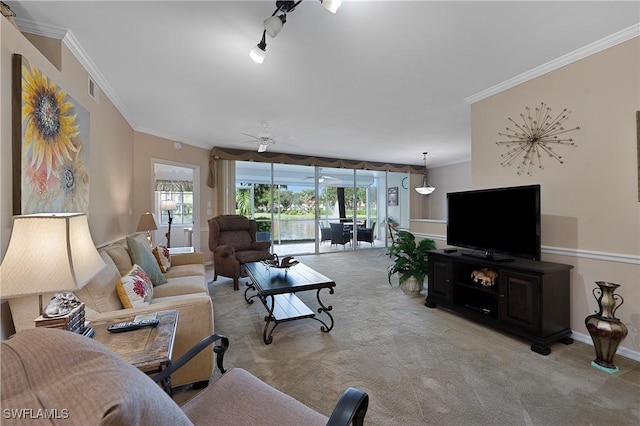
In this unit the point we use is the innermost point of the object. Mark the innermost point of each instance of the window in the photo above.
(181, 192)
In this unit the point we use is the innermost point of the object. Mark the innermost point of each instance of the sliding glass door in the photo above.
(295, 206)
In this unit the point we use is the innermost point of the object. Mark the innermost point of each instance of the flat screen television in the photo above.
(502, 221)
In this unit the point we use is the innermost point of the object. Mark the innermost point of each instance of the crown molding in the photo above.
(40, 29)
(576, 55)
(72, 43)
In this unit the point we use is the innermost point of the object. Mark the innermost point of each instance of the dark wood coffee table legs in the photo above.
(287, 307)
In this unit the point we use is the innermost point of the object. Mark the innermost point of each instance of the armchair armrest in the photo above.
(351, 407)
(261, 245)
(202, 344)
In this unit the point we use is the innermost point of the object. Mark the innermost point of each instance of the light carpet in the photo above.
(420, 366)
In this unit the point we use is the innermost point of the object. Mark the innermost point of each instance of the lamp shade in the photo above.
(147, 222)
(257, 54)
(167, 205)
(331, 5)
(259, 51)
(273, 24)
(425, 190)
(48, 253)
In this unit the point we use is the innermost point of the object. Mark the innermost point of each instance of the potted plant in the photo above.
(409, 261)
(391, 222)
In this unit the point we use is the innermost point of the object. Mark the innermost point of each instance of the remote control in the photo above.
(131, 325)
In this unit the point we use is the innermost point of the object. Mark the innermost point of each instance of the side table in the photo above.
(177, 250)
(149, 348)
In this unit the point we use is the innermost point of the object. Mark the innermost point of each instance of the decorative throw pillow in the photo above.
(141, 255)
(162, 256)
(135, 288)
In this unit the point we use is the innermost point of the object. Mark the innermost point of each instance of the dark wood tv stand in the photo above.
(528, 298)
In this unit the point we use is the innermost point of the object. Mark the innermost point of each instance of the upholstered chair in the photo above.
(340, 234)
(232, 239)
(366, 234)
(79, 381)
(325, 233)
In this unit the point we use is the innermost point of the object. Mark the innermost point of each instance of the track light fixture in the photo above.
(273, 24)
(260, 50)
(425, 188)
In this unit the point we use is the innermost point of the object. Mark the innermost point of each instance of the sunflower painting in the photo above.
(51, 141)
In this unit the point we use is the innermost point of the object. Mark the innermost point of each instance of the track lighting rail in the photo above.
(276, 21)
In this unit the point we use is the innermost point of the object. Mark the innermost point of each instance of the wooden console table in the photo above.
(148, 348)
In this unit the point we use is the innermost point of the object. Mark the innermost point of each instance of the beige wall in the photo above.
(591, 213)
(148, 147)
(452, 178)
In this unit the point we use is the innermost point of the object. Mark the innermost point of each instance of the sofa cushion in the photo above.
(100, 294)
(135, 288)
(141, 255)
(89, 385)
(181, 285)
(185, 270)
(225, 403)
(161, 253)
(120, 256)
(187, 258)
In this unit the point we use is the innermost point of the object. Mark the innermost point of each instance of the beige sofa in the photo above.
(186, 291)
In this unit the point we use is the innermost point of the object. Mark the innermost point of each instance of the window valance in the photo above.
(174, 185)
(306, 160)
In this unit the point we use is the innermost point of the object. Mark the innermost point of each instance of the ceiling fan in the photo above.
(323, 178)
(264, 138)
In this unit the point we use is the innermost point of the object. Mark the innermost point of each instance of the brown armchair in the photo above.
(232, 239)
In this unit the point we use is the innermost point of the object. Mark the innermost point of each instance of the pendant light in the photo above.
(425, 188)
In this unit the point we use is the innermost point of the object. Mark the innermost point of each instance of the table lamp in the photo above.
(169, 206)
(147, 223)
(48, 253)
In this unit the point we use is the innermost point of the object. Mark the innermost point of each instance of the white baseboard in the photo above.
(622, 351)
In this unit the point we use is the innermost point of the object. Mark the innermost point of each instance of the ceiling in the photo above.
(378, 81)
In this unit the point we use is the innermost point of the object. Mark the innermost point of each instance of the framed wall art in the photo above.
(392, 196)
(50, 144)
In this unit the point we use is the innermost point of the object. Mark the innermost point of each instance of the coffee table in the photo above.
(149, 348)
(276, 288)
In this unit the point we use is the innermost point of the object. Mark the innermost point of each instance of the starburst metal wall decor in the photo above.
(539, 131)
